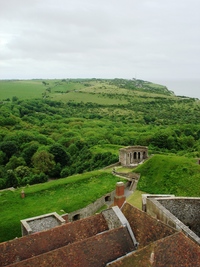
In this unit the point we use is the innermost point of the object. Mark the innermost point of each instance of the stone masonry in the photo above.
(131, 155)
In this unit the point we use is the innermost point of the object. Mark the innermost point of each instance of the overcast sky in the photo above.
(153, 40)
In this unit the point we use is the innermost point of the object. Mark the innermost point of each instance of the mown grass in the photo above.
(136, 199)
(164, 174)
(22, 89)
(66, 195)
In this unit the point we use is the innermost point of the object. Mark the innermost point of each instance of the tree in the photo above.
(60, 155)
(14, 98)
(11, 179)
(9, 148)
(22, 171)
(29, 151)
(14, 162)
(43, 161)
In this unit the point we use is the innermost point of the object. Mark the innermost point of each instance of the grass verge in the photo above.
(136, 199)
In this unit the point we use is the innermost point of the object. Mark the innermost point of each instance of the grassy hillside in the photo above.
(79, 125)
(78, 89)
(61, 196)
(170, 175)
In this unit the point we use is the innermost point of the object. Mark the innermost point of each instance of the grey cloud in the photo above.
(156, 40)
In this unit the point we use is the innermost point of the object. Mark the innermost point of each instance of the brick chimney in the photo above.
(119, 198)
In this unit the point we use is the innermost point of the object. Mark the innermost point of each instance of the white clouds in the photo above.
(108, 38)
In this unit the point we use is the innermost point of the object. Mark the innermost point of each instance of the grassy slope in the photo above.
(170, 175)
(95, 91)
(135, 199)
(67, 194)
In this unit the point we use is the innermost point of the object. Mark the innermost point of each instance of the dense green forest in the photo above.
(56, 128)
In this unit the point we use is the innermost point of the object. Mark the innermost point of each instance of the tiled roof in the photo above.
(42, 242)
(176, 250)
(145, 228)
(92, 242)
(95, 251)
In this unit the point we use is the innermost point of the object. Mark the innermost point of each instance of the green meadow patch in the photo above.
(136, 199)
(21, 89)
(85, 97)
(61, 196)
(170, 175)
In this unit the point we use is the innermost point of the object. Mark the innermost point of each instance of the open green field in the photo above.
(22, 89)
(61, 196)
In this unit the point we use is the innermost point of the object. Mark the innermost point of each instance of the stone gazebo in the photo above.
(131, 155)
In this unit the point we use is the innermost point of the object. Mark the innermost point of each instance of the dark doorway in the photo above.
(107, 198)
(76, 217)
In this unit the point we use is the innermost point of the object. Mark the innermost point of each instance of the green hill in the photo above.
(78, 89)
(170, 175)
(57, 128)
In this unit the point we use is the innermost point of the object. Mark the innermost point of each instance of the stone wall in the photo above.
(41, 223)
(145, 196)
(93, 207)
(155, 208)
(187, 210)
(90, 209)
(132, 155)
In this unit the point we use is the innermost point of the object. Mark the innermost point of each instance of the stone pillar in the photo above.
(119, 198)
(22, 194)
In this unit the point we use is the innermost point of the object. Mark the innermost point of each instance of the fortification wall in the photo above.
(91, 208)
(157, 210)
(187, 210)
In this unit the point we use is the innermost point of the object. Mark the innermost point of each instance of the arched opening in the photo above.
(138, 155)
(107, 198)
(135, 155)
(76, 217)
(129, 184)
(144, 155)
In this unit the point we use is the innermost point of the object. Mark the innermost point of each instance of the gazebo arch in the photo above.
(132, 155)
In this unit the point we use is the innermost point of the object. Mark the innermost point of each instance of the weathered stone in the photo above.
(132, 155)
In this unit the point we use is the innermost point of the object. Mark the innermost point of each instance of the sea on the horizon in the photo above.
(190, 88)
